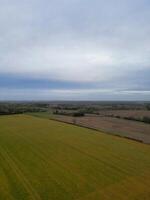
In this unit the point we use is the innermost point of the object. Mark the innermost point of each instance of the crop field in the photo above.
(121, 127)
(41, 159)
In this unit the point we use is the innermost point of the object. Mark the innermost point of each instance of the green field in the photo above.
(48, 160)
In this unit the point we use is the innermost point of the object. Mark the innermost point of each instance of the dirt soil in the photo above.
(137, 114)
(121, 127)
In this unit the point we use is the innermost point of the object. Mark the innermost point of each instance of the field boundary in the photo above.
(94, 129)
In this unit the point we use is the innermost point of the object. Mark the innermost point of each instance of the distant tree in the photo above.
(78, 114)
(148, 106)
(146, 120)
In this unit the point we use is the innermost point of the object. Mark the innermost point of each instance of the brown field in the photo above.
(137, 114)
(121, 127)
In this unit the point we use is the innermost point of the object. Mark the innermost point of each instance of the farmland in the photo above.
(124, 128)
(41, 159)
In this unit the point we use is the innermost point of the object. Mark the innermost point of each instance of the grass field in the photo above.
(48, 160)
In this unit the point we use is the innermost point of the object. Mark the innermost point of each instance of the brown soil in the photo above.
(137, 114)
(124, 128)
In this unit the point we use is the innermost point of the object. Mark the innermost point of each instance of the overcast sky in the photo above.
(74, 50)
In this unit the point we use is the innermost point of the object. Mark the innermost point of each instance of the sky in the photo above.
(75, 50)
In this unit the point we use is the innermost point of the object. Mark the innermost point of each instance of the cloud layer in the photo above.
(84, 46)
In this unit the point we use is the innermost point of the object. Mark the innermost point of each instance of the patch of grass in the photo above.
(44, 159)
(46, 115)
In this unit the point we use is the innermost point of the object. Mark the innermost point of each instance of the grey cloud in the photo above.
(91, 41)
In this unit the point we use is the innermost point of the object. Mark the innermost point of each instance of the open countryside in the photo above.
(45, 159)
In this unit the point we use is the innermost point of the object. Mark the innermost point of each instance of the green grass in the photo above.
(46, 115)
(49, 160)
